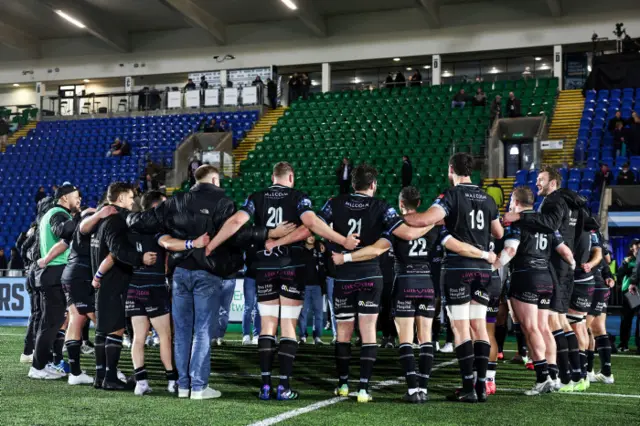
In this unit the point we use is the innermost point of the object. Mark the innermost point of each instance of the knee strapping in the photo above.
(459, 312)
(268, 310)
(290, 312)
(575, 318)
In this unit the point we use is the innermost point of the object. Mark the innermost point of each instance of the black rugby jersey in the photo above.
(269, 208)
(79, 261)
(535, 248)
(582, 253)
(360, 214)
(414, 256)
(152, 274)
(469, 212)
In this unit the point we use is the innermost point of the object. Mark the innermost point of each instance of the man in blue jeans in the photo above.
(251, 313)
(314, 276)
(198, 280)
(228, 290)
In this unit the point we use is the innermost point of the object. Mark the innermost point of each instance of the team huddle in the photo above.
(548, 267)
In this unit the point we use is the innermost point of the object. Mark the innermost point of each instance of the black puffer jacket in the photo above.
(205, 208)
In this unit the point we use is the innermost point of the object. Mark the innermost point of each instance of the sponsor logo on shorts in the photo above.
(288, 289)
(481, 295)
(545, 301)
(367, 304)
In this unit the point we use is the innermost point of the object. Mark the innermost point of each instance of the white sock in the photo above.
(414, 390)
(491, 375)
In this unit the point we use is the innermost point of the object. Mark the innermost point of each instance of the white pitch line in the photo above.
(614, 395)
(316, 406)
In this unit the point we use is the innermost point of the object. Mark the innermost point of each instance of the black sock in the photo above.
(171, 374)
(408, 362)
(583, 364)
(343, 357)
(521, 342)
(603, 345)
(140, 373)
(553, 371)
(266, 350)
(562, 351)
(286, 356)
(101, 362)
(542, 370)
(464, 353)
(501, 335)
(368, 355)
(435, 331)
(58, 344)
(112, 348)
(574, 355)
(73, 353)
(590, 357)
(85, 331)
(481, 350)
(425, 364)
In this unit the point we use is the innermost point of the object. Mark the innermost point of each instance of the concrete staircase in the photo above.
(565, 125)
(507, 187)
(248, 144)
(13, 139)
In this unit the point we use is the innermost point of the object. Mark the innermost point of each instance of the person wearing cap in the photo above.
(55, 226)
(624, 277)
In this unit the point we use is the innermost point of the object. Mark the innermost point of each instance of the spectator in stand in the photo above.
(407, 171)
(479, 79)
(616, 119)
(190, 85)
(603, 176)
(204, 84)
(225, 126)
(619, 138)
(480, 98)
(459, 99)
(496, 109)
(211, 126)
(415, 79)
(513, 106)
(259, 89)
(119, 149)
(400, 81)
(4, 133)
(3, 260)
(40, 194)
(388, 82)
(272, 93)
(192, 167)
(16, 261)
(294, 87)
(496, 192)
(626, 176)
(343, 173)
(633, 136)
(305, 85)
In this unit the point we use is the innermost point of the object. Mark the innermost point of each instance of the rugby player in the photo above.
(558, 212)
(588, 254)
(470, 216)
(414, 291)
(148, 299)
(110, 237)
(532, 286)
(278, 270)
(597, 319)
(76, 282)
(494, 290)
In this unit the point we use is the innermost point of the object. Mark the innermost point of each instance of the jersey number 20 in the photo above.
(275, 216)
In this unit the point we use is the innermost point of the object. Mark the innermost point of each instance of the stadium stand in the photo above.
(378, 127)
(77, 153)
